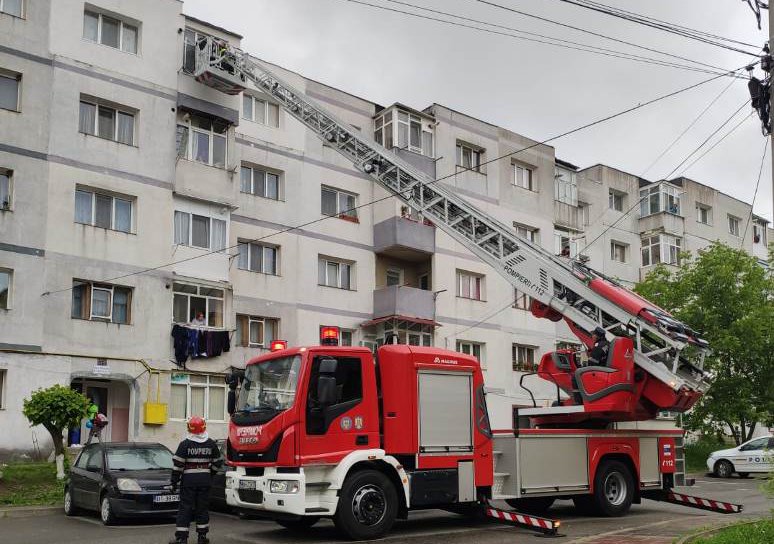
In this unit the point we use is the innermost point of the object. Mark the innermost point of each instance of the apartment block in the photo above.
(147, 220)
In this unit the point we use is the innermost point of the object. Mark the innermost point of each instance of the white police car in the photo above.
(756, 455)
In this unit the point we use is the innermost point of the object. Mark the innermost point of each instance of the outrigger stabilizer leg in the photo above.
(696, 502)
(545, 526)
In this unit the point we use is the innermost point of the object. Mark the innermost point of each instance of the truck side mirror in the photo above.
(231, 403)
(326, 390)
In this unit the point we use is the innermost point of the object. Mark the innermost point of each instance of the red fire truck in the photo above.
(363, 438)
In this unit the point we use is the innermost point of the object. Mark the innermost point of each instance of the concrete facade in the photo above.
(379, 270)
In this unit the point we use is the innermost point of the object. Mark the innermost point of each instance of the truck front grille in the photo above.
(251, 495)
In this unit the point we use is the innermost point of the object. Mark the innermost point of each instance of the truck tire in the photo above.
(613, 489)
(535, 505)
(368, 505)
(724, 469)
(299, 524)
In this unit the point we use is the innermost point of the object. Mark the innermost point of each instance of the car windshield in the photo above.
(128, 458)
(270, 386)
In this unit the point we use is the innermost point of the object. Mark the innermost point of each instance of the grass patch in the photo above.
(760, 532)
(696, 453)
(30, 484)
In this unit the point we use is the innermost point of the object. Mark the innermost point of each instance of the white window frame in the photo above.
(188, 155)
(470, 348)
(110, 290)
(391, 121)
(116, 110)
(759, 231)
(7, 204)
(734, 224)
(325, 261)
(394, 269)
(254, 182)
(667, 245)
(615, 200)
(565, 190)
(121, 22)
(350, 213)
(20, 16)
(113, 198)
(212, 382)
(519, 363)
(13, 76)
(199, 295)
(245, 249)
(189, 242)
(250, 321)
(529, 233)
(266, 105)
(476, 157)
(521, 301)
(616, 245)
(471, 279)
(664, 192)
(706, 210)
(573, 240)
(522, 176)
(9, 294)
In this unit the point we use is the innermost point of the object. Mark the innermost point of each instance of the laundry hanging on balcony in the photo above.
(194, 343)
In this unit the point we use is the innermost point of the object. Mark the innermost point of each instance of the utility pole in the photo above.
(771, 136)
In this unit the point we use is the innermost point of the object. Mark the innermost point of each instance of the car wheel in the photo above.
(535, 506)
(69, 506)
(744, 474)
(299, 524)
(613, 489)
(368, 506)
(724, 469)
(106, 511)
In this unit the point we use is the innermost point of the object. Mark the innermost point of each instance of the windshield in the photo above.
(270, 386)
(139, 458)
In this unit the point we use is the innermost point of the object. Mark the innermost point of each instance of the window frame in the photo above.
(666, 244)
(249, 256)
(242, 336)
(113, 202)
(120, 47)
(340, 264)
(472, 279)
(707, 211)
(517, 180)
(116, 111)
(7, 205)
(20, 16)
(614, 245)
(212, 382)
(9, 292)
(266, 173)
(17, 77)
(391, 121)
(525, 231)
(614, 197)
(189, 129)
(88, 290)
(3, 380)
(734, 221)
(472, 347)
(266, 108)
(198, 294)
(521, 300)
(566, 191)
(351, 214)
(477, 155)
(189, 243)
(664, 192)
(517, 365)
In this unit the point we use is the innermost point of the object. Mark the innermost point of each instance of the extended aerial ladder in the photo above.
(665, 357)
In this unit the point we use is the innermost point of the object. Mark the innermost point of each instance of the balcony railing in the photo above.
(404, 301)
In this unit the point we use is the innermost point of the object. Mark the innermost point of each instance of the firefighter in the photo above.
(195, 460)
(598, 354)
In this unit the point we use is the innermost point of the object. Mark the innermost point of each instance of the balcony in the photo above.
(404, 238)
(404, 301)
(200, 181)
(567, 215)
(663, 221)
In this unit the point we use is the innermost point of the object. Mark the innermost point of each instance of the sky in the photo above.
(533, 89)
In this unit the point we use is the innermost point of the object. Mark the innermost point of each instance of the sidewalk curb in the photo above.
(28, 511)
(690, 538)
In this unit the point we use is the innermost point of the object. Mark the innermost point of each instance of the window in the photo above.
(661, 249)
(470, 348)
(101, 302)
(256, 331)
(339, 203)
(103, 210)
(659, 198)
(12, 7)
(191, 300)
(522, 177)
(9, 90)
(5, 189)
(470, 285)
(759, 235)
(567, 243)
(260, 182)
(5, 288)
(3, 374)
(200, 231)
(202, 139)
(197, 395)
(190, 38)
(523, 358)
(733, 225)
(99, 28)
(521, 301)
(618, 251)
(106, 122)
(349, 391)
(345, 335)
(565, 187)
(412, 134)
(260, 111)
(334, 273)
(703, 214)
(528, 233)
(394, 276)
(615, 200)
(258, 258)
(469, 157)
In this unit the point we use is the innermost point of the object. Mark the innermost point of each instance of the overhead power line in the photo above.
(713, 146)
(448, 176)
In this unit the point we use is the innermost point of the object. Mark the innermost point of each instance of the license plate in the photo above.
(166, 498)
(246, 484)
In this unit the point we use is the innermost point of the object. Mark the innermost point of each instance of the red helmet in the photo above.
(197, 425)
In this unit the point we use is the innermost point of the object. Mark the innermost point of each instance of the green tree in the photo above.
(56, 408)
(729, 297)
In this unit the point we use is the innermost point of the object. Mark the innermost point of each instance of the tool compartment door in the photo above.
(553, 464)
(445, 412)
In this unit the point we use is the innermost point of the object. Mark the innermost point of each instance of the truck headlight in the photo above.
(128, 484)
(283, 486)
(231, 483)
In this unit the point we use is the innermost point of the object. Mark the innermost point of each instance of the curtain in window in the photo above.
(215, 313)
(217, 403)
(106, 123)
(83, 207)
(272, 186)
(219, 151)
(256, 332)
(345, 276)
(259, 182)
(321, 264)
(182, 228)
(78, 310)
(328, 202)
(259, 110)
(120, 305)
(247, 106)
(333, 274)
(129, 39)
(201, 147)
(256, 254)
(246, 184)
(218, 234)
(104, 205)
(189, 51)
(177, 400)
(273, 120)
(125, 128)
(347, 205)
(181, 141)
(270, 260)
(100, 303)
(14, 7)
(110, 31)
(416, 134)
(9, 93)
(86, 118)
(197, 401)
(180, 309)
(5, 191)
(123, 219)
(242, 259)
(200, 231)
(269, 331)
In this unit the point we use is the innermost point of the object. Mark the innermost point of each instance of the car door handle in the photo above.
(361, 440)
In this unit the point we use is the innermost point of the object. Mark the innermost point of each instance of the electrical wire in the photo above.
(755, 194)
(448, 176)
(482, 320)
(726, 135)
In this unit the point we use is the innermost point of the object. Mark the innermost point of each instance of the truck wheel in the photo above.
(304, 522)
(368, 505)
(535, 505)
(613, 489)
(724, 469)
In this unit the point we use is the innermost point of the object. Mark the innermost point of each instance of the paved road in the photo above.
(647, 523)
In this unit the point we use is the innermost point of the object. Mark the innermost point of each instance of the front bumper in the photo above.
(711, 463)
(260, 497)
(127, 505)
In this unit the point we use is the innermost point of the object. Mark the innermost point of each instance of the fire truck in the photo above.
(363, 438)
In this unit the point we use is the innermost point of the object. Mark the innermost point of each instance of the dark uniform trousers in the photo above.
(194, 506)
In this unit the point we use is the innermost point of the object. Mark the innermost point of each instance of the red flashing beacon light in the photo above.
(277, 345)
(329, 336)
